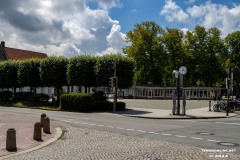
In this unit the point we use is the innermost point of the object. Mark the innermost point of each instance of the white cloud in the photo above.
(68, 28)
(207, 14)
(173, 12)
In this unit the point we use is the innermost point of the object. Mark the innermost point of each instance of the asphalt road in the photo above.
(206, 134)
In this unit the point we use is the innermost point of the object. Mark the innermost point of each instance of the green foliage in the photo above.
(147, 51)
(38, 98)
(124, 70)
(29, 73)
(99, 96)
(76, 101)
(22, 96)
(6, 96)
(81, 71)
(8, 74)
(53, 72)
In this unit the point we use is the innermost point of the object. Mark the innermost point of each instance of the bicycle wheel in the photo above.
(215, 108)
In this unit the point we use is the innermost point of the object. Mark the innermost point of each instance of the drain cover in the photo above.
(229, 144)
(205, 133)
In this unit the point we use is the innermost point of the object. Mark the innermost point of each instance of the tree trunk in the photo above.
(85, 89)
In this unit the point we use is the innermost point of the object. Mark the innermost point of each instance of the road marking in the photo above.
(219, 122)
(92, 124)
(76, 122)
(210, 140)
(233, 123)
(188, 120)
(152, 132)
(180, 136)
(130, 129)
(110, 127)
(141, 131)
(84, 123)
(100, 125)
(165, 134)
(119, 128)
(196, 138)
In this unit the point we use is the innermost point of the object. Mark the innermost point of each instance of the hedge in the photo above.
(76, 101)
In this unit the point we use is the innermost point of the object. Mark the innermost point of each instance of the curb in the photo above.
(56, 137)
(189, 117)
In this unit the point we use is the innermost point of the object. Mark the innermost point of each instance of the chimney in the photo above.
(3, 44)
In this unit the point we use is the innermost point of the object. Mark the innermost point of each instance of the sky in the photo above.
(98, 27)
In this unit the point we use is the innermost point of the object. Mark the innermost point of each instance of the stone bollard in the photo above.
(209, 105)
(37, 135)
(42, 117)
(11, 144)
(46, 125)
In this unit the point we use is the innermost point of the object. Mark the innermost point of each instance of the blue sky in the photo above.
(98, 27)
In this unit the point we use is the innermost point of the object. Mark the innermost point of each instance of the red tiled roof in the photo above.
(18, 54)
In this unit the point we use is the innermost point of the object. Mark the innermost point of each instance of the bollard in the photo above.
(42, 117)
(37, 135)
(11, 144)
(46, 125)
(209, 105)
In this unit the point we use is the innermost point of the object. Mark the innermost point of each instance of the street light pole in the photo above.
(229, 76)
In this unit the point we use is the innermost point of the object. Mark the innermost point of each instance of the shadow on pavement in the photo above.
(133, 112)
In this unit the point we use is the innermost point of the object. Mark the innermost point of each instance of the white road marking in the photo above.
(152, 132)
(76, 122)
(110, 127)
(84, 123)
(165, 134)
(180, 136)
(233, 123)
(219, 122)
(210, 140)
(92, 124)
(130, 129)
(141, 131)
(119, 128)
(196, 138)
(100, 125)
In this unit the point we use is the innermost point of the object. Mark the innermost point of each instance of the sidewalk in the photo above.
(24, 126)
(198, 113)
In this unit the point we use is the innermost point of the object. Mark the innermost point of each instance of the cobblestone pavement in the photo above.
(87, 144)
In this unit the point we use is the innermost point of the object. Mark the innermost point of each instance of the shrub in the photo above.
(6, 96)
(102, 105)
(76, 101)
(99, 96)
(38, 98)
(120, 106)
(22, 96)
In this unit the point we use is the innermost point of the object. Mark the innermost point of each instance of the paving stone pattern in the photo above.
(88, 144)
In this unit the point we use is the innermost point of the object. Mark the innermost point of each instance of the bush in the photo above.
(102, 105)
(38, 98)
(6, 96)
(99, 96)
(76, 101)
(120, 106)
(22, 96)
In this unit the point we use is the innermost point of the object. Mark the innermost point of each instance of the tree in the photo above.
(173, 40)
(232, 40)
(124, 70)
(81, 71)
(53, 72)
(204, 47)
(29, 73)
(147, 52)
(8, 75)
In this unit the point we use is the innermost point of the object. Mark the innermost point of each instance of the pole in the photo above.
(115, 88)
(178, 97)
(198, 92)
(164, 81)
(229, 75)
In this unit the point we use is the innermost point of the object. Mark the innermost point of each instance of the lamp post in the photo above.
(230, 75)
(198, 83)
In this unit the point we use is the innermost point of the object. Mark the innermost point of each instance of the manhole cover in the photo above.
(229, 144)
(205, 133)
